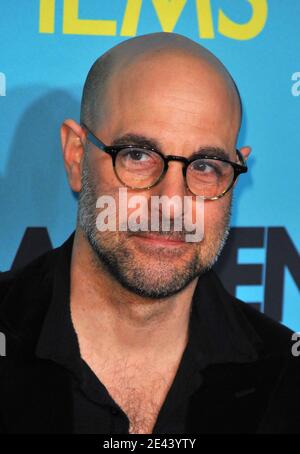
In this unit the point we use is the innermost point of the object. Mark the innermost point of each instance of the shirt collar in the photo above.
(218, 331)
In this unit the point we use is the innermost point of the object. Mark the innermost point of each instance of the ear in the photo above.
(72, 139)
(245, 152)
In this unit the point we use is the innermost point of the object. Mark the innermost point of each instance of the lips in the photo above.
(171, 238)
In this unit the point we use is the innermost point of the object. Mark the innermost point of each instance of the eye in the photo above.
(139, 158)
(136, 154)
(206, 167)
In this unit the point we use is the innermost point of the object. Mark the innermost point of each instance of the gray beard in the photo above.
(154, 282)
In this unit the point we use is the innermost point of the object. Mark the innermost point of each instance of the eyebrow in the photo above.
(143, 141)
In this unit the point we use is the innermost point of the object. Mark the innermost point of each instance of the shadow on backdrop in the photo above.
(34, 185)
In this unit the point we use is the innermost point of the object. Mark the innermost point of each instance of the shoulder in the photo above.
(275, 338)
(29, 279)
(6, 280)
(19, 282)
(24, 297)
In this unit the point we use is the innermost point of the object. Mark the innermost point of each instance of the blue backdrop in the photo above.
(46, 50)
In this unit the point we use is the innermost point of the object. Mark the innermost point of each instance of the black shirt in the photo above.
(217, 334)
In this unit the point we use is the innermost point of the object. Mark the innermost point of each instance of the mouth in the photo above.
(160, 240)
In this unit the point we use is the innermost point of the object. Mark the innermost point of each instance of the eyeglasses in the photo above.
(142, 167)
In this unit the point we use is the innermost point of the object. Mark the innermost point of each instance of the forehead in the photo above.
(176, 93)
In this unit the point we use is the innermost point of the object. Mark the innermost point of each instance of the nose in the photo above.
(173, 189)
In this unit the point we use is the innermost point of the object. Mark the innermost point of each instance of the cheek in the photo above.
(215, 214)
(120, 202)
(104, 176)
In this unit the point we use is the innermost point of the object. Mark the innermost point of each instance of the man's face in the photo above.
(184, 105)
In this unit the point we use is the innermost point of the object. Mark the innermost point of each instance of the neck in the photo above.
(110, 319)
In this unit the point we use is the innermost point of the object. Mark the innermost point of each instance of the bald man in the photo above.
(129, 330)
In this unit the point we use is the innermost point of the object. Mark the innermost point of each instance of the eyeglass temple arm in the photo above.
(92, 138)
(241, 158)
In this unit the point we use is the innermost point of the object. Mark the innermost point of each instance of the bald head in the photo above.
(169, 48)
